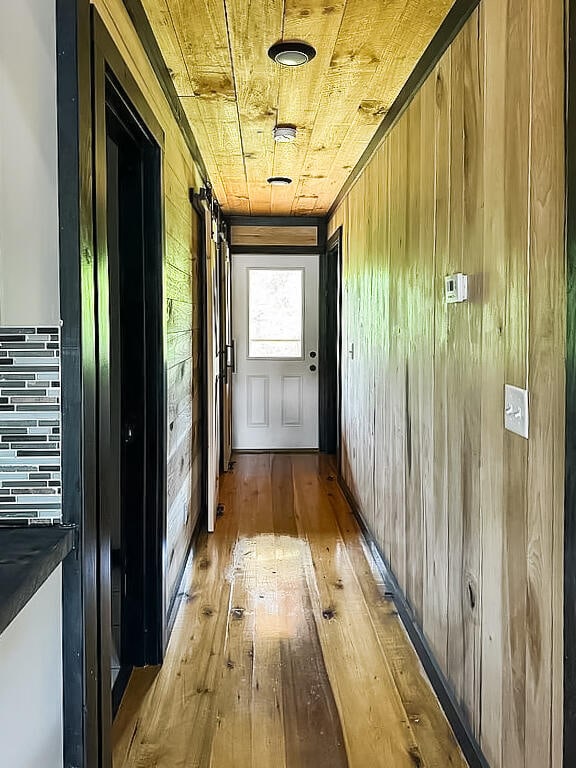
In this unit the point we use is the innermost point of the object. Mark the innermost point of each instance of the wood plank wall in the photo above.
(471, 179)
(181, 288)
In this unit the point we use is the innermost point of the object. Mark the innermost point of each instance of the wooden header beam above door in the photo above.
(277, 234)
(233, 94)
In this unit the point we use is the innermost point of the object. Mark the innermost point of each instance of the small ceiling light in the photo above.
(284, 133)
(291, 54)
(279, 181)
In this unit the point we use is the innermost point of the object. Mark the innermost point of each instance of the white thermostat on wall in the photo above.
(456, 288)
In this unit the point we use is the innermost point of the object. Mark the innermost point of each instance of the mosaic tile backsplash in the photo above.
(30, 470)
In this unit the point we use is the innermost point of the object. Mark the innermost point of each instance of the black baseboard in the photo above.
(180, 592)
(442, 688)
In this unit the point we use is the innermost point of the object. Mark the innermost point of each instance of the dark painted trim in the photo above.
(322, 232)
(147, 38)
(141, 112)
(570, 481)
(468, 743)
(119, 688)
(275, 250)
(330, 345)
(259, 451)
(28, 555)
(80, 642)
(449, 29)
(276, 221)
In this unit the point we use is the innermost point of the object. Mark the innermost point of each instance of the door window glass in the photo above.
(275, 313)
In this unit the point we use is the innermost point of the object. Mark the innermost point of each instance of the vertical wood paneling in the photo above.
(414, 528)
(181, 301)
(546, 381)
(493, 28)
(516, 187)
(471, 348)
(469, 516)
(436, 615)
(456, 384)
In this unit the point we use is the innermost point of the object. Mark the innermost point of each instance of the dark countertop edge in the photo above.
(28, 556)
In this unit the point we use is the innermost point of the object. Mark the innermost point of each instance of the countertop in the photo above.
(28, 555)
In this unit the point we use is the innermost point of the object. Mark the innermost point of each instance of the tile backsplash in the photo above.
(30, 468)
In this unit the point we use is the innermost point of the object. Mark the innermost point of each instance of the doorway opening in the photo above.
(131, 394)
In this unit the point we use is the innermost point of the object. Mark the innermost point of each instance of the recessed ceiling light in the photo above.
(279, 181)
(284, 133)
(291, 54)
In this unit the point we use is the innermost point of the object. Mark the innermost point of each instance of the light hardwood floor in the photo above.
(286, 652)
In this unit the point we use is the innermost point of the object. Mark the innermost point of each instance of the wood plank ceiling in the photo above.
(234, 94)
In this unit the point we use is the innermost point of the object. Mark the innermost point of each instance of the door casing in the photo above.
(330, 346)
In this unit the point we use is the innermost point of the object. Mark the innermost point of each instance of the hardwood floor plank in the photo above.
(433, 734)
(375, 723)
(311, 721)
(286, 652)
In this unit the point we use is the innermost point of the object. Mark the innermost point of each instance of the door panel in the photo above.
(292, 402)
(212, 328)
(275, 320)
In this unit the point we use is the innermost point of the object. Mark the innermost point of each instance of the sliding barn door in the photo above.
(212, 334)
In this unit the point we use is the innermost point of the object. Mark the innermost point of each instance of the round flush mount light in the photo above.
(279, 181)
(291, 54)
(284, 133)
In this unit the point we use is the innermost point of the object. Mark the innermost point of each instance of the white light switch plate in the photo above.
(516, 410)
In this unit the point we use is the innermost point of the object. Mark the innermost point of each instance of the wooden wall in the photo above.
(470, 517)
(181, 300)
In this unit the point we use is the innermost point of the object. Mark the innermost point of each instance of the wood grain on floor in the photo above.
(286, 652)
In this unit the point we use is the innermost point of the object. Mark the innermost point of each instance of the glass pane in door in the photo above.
(275, 313)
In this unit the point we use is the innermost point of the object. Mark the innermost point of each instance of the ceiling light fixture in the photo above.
(284, 133)
(279, 181)
(292, 53)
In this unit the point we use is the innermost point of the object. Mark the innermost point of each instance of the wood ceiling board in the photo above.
(317, 22)
(362, 40)
(421, 19)
(224, 157)
(210, 101)
(161, 18)
(233, 94)
(371, 41)
(169, 45)
(201, 27)
(251, 26)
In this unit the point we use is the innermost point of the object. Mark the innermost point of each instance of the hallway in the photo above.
(286, 650)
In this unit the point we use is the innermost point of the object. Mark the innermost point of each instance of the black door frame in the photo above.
(87, 57)
(330, 346)
(116, 91)
(570, 483)
(78, 365)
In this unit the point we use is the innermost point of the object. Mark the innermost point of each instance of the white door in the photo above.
(275, 316)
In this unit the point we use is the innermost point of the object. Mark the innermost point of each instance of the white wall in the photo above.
(31, 681)
(28, 164)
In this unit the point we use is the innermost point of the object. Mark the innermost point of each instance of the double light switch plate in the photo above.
(516, 410)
